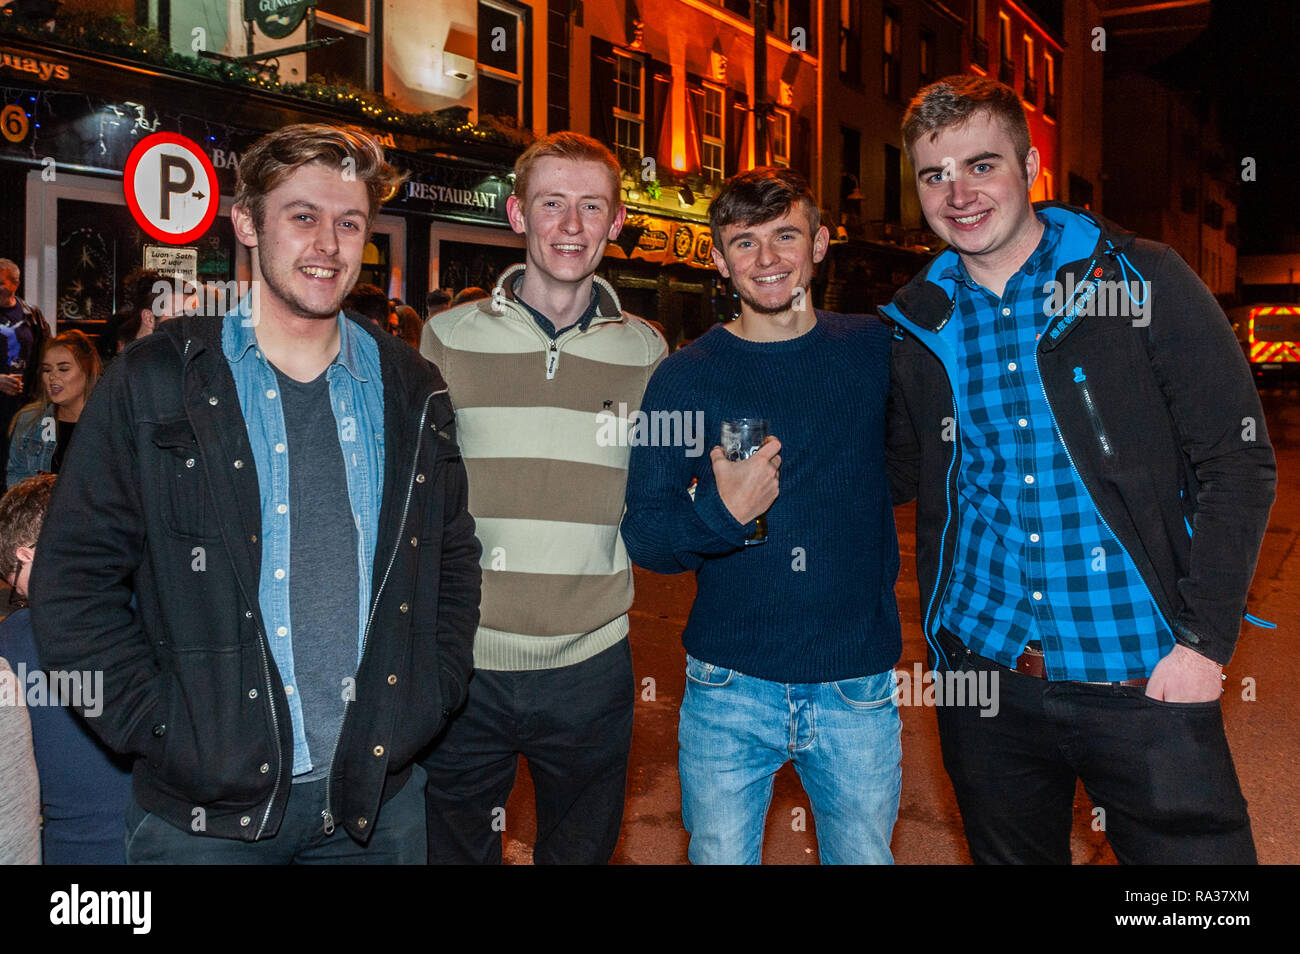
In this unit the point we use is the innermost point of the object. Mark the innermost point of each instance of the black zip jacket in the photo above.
(189, 681)
(1167, 433)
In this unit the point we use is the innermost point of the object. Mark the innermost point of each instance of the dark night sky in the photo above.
(1248, 61)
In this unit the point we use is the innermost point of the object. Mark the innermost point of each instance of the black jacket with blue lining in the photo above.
(1165, 429)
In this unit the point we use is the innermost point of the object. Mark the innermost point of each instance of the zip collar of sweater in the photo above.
(604, 306)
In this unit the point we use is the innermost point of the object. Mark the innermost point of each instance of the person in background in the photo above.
(20, 802)
(436, 301)
(127, 330)
(41, 431)
(84, 786)
(472, 293)
(155, 297)
(368, 302)
(409, 325)
(22, 332)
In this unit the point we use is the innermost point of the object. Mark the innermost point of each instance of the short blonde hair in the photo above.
(566, 145)
(275, 156)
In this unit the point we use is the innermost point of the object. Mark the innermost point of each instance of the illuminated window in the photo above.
(629, 109)
(500, 60)
(1049, 79)
(1006, 65)
(851, 40)
(1030, 93)
(890, 54)
(979, 45)
(714, 133)
(781, 137)
(350, 57)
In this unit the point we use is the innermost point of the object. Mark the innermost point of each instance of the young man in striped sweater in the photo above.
(536, 373)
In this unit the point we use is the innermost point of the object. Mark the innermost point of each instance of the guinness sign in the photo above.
(277, 18)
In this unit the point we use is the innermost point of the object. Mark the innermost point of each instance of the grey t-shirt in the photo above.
(323, 591)
(20, 800)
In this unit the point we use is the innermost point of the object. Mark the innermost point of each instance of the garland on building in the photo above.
(116, 36)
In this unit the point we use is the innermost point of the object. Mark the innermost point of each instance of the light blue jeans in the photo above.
(736, 731)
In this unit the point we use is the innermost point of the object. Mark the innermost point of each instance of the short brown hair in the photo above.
(370, 301)
(761, 195)
(22, 512)
(953, 100)
(566, 145)
(275, 156)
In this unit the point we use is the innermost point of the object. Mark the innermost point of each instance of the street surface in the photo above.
(1264, 733)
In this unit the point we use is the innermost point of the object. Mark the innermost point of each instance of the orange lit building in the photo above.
(1012, 45)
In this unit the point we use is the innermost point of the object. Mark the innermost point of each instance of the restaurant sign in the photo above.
(455, 192)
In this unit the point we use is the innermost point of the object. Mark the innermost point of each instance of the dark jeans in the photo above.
(398, 837)
(573, 724)
(1161, 772)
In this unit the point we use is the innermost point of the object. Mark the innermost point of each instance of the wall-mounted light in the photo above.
(686, 197)
(457, 66)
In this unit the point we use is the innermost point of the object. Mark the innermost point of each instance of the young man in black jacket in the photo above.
(261, 539)
(1093, 479)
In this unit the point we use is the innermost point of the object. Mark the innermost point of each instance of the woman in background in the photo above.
(41, 431)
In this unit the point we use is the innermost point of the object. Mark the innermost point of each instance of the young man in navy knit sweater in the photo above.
(792, 640)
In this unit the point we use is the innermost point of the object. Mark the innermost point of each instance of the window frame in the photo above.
(638, 118)
(495, 72)
(720, 141)
(781, 135)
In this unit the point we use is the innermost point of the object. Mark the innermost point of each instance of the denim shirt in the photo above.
(357, 398)
(31, 448)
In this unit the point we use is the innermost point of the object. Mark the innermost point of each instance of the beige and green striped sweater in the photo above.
(545, 493)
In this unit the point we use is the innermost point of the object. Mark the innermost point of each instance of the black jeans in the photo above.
(1160, 772)
(573, 724)
(398, 838)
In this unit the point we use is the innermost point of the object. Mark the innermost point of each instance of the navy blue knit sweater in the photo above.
(815, 602)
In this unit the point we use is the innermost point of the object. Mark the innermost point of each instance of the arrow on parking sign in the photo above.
(171, 188)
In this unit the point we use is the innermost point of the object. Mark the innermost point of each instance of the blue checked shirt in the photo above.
(357, 397)
(1034, 561)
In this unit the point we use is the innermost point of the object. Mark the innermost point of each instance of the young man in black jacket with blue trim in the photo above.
(261, 539)
(1093, 478)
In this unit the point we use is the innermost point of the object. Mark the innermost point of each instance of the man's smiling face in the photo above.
(772, 263)
(570, 213)
(974, 193)
(310, 241)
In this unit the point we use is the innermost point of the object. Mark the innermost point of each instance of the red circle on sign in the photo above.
(128, 182)
(1096, 273)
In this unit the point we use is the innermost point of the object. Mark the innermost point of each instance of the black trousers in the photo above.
(573, 724)
(1160, 772)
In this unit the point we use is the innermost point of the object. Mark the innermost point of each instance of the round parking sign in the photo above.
(171, 188)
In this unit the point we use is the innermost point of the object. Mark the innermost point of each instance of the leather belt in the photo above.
(1033, 663)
